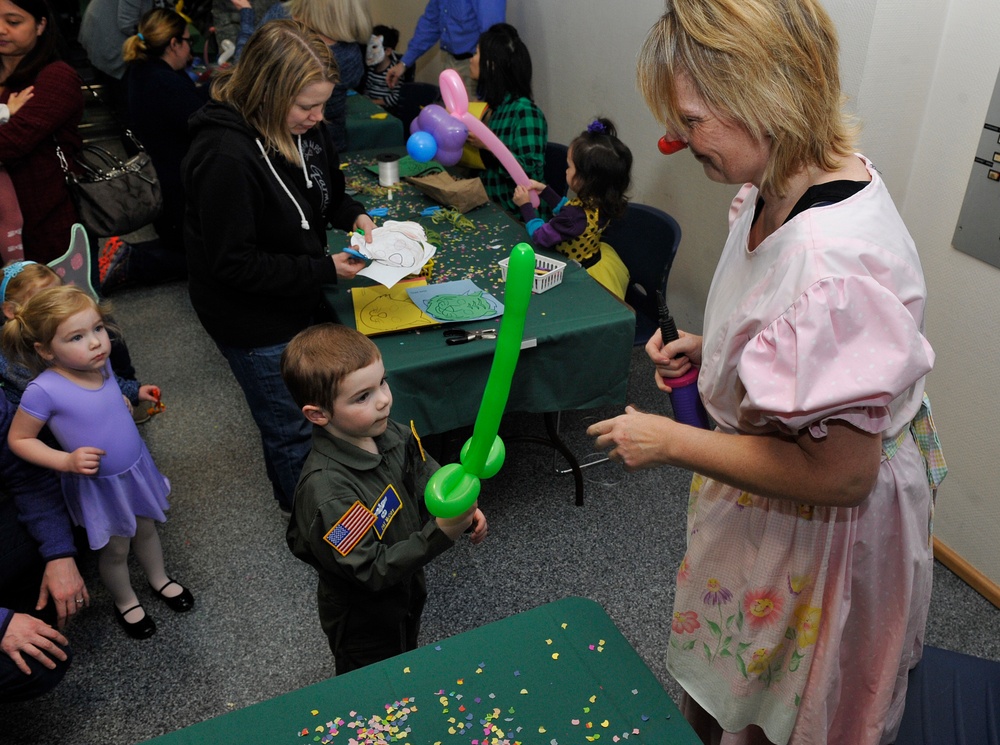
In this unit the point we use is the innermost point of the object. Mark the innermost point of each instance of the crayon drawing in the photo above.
(382, 310)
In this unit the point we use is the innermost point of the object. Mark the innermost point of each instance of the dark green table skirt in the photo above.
(560, 674)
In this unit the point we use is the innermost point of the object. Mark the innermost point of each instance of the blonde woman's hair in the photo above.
(769, 65)
(37, 321)
(156, 29)
(340, 20)
(278, 62)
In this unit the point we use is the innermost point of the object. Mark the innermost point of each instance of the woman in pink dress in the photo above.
(802, 599)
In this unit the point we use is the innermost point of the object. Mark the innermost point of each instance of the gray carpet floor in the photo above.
(254, 632)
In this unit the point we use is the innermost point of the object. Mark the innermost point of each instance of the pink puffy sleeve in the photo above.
(845, 349)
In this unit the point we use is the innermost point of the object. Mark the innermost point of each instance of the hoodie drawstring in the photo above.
(305, 173)
(302, 215)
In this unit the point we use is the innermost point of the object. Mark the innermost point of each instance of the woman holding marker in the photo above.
(262, 183)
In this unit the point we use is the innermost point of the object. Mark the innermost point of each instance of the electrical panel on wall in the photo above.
(978, 229)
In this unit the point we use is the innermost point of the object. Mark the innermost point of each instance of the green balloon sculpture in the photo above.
(455, 487)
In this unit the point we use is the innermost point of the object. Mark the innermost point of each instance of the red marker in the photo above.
(669, 147)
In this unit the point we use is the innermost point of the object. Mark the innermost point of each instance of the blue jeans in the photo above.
(285, 433)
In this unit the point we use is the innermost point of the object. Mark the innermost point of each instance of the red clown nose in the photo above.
(669, 147)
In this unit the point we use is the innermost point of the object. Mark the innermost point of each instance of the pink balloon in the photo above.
(456, 100)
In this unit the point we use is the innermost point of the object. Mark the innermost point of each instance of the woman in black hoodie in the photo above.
(262, 184)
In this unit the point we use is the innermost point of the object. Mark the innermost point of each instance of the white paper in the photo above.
(397, 250)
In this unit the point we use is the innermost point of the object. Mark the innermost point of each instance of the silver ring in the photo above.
(79, 600)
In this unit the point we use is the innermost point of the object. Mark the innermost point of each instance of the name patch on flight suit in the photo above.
(385, 509)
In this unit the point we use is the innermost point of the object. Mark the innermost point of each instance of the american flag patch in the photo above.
(350, 529)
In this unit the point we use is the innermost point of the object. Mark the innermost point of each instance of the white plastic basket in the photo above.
(552, 268)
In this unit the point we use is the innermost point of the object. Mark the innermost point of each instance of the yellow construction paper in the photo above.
(382, 310)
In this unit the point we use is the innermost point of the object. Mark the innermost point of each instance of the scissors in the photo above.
(462, 336)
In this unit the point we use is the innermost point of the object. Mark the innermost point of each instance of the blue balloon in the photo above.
(421, 146)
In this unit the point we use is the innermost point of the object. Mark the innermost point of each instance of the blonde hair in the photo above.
(340, 20)
(37, 322)
(156, 29)
(769, 65)
(280, 60)
(29, 279)
(316, 361)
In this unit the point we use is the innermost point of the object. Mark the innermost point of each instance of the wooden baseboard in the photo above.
(972, 576)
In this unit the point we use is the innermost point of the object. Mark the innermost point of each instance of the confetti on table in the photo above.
(645, 717)
(593, 699)
(315, 712)
(555, 655)
(605, 723)
(406, 671)
(548, 641)
(524, 691)
(565, 625)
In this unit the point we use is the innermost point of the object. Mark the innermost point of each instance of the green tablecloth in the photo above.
(561, 673)
(364, 133)
(584, 334)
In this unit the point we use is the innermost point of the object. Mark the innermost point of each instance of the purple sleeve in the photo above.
(5, 616)
(38, 496)
(569, 223)
(551, 197)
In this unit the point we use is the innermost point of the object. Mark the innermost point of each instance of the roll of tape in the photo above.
(388, 169)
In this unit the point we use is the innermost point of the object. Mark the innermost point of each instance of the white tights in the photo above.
(112, 563)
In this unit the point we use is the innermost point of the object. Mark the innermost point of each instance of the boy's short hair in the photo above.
(390, 36)
(317, 359)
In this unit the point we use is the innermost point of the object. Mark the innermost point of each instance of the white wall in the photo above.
(919, 76)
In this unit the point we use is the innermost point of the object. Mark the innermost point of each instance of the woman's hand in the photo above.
(366, 225)
(241, 4)
(27, 635)
(475, 141)
(347, 266)
(85, 461)
(18, 99)
(64, 585)
(635, 438)
(674, 359)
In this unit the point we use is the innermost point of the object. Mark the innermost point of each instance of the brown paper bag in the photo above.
(462, 194)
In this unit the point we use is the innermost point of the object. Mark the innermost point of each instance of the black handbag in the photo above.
(113, 196)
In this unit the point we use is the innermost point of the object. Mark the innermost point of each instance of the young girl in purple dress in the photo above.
(599, 170)
(111, 485)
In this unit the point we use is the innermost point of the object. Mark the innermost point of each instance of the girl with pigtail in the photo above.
(598, 170)
(111, 485)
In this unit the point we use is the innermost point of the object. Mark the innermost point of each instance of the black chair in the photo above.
(646, 238)
(555, 167)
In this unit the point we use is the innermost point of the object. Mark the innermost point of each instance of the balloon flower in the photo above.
(445, 132)
(454, 489)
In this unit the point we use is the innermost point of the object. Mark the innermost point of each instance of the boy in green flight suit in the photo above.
(359, 515)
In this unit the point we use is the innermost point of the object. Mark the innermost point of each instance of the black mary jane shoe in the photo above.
(179, 603)
(141, 629)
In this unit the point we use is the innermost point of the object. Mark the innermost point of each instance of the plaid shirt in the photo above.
(520, 125)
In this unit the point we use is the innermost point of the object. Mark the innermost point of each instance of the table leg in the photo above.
(555, 441)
